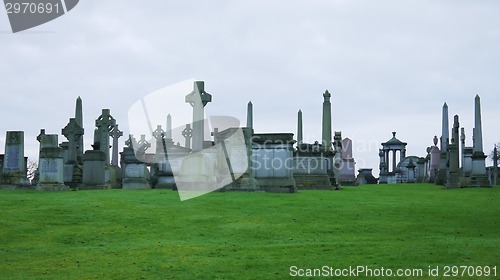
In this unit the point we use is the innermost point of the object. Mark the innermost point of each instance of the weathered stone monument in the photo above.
(347, 169)
(187, 133)
(250, 115)
(198, 99)
(389, 159)
(51, 164)
(94, 170)
(300, 132)
(136, 174)
(445, 139)
(104, 124)
(365, 177)
(327, 122)
(79, 121)
(478, 175)
(453, 180)
(434, 161)
(14, 165)
(115, 173)
(72, 171)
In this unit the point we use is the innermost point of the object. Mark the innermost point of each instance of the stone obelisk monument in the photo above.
(478, 176)
(327, 122)
(250, 115)
(445, 136)
(79, 121)
(300, 135)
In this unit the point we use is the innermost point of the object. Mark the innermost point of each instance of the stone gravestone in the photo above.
(445, 139)
(453, 180)
(347, 172)
(72, 171)
(94, 167)
(104, 124)
(115, 173)
(51, 164)
(365, 177)
(135, 172)
(198, 99)
(14, 166)
(160, 177)
(311, 167)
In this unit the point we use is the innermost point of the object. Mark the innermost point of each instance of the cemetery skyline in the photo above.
(389, 67)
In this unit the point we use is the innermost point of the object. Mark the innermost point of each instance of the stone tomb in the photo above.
(135, 172)
(272, 157)
(94, 170)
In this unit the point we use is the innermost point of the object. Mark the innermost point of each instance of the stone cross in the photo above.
(143, 145)
(198, 99)
(187, 133)
(104, 124)
(73, 132)
(131, 142)
(159, 135)
(115, 133)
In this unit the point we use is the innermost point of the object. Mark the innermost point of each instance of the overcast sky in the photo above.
(390, 66)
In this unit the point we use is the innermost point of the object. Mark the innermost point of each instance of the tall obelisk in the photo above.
(79, 121)
(327, 122)
(299, 129)
(250, 115)
(478, 177)
(445, 139)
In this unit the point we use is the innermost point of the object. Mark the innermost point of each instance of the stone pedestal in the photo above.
(196, 176)
(311, 168)
(135, 172)
(51, 169)
(478, 178)
(94, 170)
(365, 177)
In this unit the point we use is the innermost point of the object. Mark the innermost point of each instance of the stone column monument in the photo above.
(327, 122)
(198, 99)
(453, 179)
(79, 121)
(495, 165)
(443, 160)
(250, 115)
(300, 134)
(478, 176)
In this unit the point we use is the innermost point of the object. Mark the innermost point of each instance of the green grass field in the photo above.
(120, 234)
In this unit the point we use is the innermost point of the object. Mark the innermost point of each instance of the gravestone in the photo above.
(365, 177)
(135, 172)
(453, 180)
(434, 161)
(159, 171)
(104, 123)
(272, 156)
(94, 170)
(14, 165)
(51, 164)
(115, 172)
(187, 133)
(347, 169)
(72, 170)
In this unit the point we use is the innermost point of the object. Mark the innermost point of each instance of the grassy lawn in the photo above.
(120, 234)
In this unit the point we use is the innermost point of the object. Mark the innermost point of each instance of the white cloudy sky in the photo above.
(390, 65)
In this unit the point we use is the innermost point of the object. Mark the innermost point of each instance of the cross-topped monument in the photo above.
(198, 99)
(115, 133)
(159, 135)
(73, 132)
(187, 133)
(104, 124)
